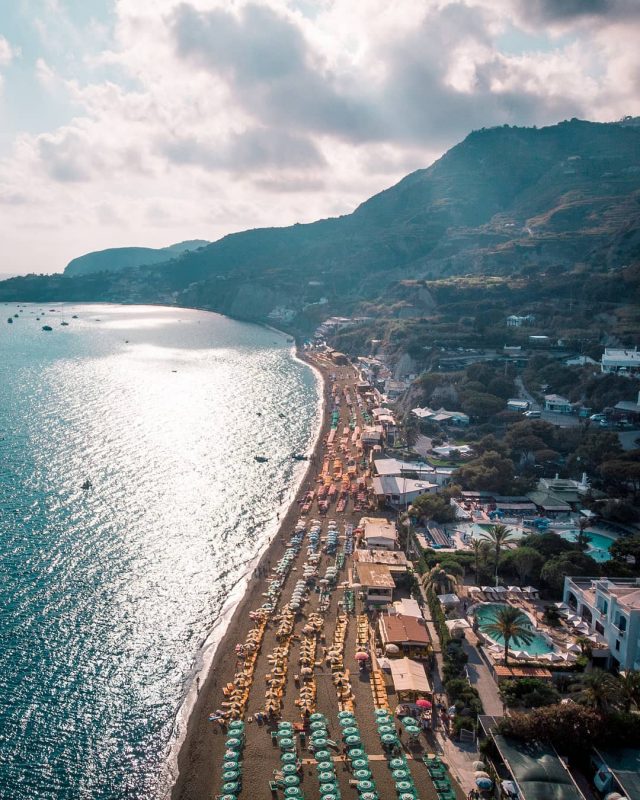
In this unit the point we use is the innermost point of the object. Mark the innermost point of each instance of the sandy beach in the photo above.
(201, 755)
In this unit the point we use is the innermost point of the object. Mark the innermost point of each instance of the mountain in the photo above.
(118, 258)
(504, 201)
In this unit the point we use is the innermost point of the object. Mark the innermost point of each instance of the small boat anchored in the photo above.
(261, 459)
(86, 485)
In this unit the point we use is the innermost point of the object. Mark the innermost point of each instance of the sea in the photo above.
(113, 596)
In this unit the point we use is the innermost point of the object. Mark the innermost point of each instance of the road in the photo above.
(561, 420)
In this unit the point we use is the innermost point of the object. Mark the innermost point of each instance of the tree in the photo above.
(440, 581)
(569, 727)
(498, 536)
(528, 563)
(558, 567)
(621, 473)
(598, 690)
(480, 404)
(476, 546)
(528, 692)
(432, 506)
(629, 689)
(512, 625)
(547, 544)
(490, 472)
(626, 549)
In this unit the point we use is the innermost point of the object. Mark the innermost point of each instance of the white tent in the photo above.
(514, 589)
(452, 624)
(409, 676)
(499, 589)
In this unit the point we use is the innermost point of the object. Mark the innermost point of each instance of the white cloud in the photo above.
(219, 115)
(7, 52)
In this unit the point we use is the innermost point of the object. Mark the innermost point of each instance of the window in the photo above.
(617, 644)
(622, 623)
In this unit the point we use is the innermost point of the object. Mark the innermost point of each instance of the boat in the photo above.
(75, 316)
(261, 459)
(299, 457)
(47, 328)
(290, 341)
(86, 485)
(10, 320)
(64, 323)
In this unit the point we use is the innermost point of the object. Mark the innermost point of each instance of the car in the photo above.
(597, 417)
(532, 414)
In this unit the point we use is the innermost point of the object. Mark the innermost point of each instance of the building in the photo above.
(580, 361)
(515, 321)
(517, 405)
(540, 341)
(409, 469)
(554, 496)
(557, 404)
(372, 436)
(398, 492)
(611, 608)
(375, 581)
(442, 416)
(395, 560)
(409, 679)
(628, 408)
(378, 533)
(617, 770)
(622, 362)
(408, 634)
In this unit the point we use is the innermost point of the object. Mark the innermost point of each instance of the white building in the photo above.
(557, 404)
(611, 608)
(378, 533)
(400, 492)
(624, 362)
(515, 321)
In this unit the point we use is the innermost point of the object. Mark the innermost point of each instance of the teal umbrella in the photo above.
(324, 766)
(389, 738)
(288, 758)
(407, 796)
(380, 712)
(284, 732)
(404, 786)
(360, 763)
(362, 774)
(408, 721)
(327, 777)
(356, 752)
(328, 788)
(347, 722)
(365, 786)
(318, 725)
(322, 755)
(286, 744)
(352, 740)
(398, 763)
(230, 775)
(351, 731)
(231, 788)
(289, 769)
(292, 791)
(234, 743)
(368, 796)
(236, 725)
(291, 780)
(343, 714)
(321, 741)
(401, 774)
(232, 755)
(229, 765)
(317, 716)
(227, 797)
(384, 729)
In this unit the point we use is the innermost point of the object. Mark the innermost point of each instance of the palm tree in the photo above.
(512, 625)
(498, 536)
(629, 688)
(598, 689)
(584, 643)
(583, 538)
(441, 581)
(476, 546)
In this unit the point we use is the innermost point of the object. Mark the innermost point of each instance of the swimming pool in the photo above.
(598, 546)
(486, 613)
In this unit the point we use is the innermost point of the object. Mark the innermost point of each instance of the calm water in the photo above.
(599, 544)
(107, 595)
(486, 614)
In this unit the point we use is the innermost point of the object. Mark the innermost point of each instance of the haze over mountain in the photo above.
(503, 201)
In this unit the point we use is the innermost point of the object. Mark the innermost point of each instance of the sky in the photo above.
(148, 122)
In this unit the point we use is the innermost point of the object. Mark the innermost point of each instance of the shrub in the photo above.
(529, 693)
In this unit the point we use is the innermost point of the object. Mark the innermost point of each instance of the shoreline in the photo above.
(194, 756)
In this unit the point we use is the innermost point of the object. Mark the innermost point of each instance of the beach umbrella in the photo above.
(352, 740)
(413, 730)
(230, 775)
(351, 731)
(479, 765)
(227, 797)
(408, 721)
(343, 714)
(384, 729)
(291, 780)
(286, 743)
(328, 788)
(233, 787)
(317, 717)
(422, 703)
(368, 796)
(407, 796)
(288, 758)
(289, 769)
(404, 786)
(327, 777)
(231, 755)
(320, 742)
(318, 725)
(325, 766)
(322, 755)
(292, 791)
(234, 743)
(362, 656)
(360, 763)
(389, 738)
(484, 783)
(236, 725)
(362, 774)
(400, 774)
(365, 786)
(347, 720)
(398, 763)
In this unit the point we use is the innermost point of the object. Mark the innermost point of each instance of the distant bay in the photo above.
(107, 593)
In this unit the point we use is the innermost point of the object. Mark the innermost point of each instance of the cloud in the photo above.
(7, 52)
(568, 11)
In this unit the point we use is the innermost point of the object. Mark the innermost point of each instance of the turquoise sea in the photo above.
(108, 594)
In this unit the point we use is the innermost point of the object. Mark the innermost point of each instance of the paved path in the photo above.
(480, 676)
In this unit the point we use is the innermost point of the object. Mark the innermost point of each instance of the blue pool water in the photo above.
(598, 546)
(486, 614)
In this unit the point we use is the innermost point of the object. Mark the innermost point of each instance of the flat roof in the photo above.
(403, 629)
(393, 466)
(537, 769)
(409, 676)
(522, 672)
(375, 576)
(378, 527)
(394, 484)
(390, 558)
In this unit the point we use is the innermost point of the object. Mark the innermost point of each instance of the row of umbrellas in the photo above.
(289, 761)
(358, 757)
(399, 766)
(325, 770)
(232, 764)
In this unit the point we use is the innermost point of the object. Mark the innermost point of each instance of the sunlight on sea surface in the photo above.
(108, 594)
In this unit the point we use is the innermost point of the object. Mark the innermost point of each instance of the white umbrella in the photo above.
(573, 618)
(487, 588)
(573, 648)
(556, 656)
(515, 589)
(499, 589)
(561, 606)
